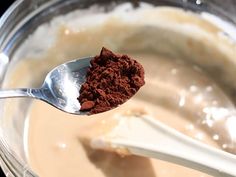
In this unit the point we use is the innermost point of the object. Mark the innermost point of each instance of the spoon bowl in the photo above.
(60, 88)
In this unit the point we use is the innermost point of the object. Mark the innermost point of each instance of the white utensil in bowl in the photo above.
(145, 136)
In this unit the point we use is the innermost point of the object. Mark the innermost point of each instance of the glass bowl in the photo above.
(25, 16)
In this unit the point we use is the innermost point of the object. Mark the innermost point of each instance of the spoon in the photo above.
(60, 88)
(146, 136)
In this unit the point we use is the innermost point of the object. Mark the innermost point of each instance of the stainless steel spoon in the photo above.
(60, 88)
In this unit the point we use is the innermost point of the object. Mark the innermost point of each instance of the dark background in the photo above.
(4, 4)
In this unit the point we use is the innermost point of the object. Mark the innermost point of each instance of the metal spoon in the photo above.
(146, 136)
(60, 88)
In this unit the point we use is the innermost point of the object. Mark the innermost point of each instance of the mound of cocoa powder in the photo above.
(111, 80)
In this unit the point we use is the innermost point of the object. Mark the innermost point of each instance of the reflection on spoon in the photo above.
(60, 88)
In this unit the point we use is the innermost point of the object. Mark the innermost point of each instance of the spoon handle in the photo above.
(148, 137)
(22, 92)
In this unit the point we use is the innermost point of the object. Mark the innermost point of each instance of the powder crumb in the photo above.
(111, 80)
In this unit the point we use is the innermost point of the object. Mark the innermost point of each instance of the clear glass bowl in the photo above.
(20, 20)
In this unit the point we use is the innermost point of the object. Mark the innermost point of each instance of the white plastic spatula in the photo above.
(145, 136)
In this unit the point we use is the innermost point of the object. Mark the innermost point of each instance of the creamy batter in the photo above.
(172, 45)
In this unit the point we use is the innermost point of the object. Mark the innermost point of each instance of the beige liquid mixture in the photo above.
(54, 136)
(177, 93)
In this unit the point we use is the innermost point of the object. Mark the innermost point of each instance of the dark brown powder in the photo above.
(111, 80)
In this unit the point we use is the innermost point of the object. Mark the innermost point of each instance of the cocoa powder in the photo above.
(111, 80)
